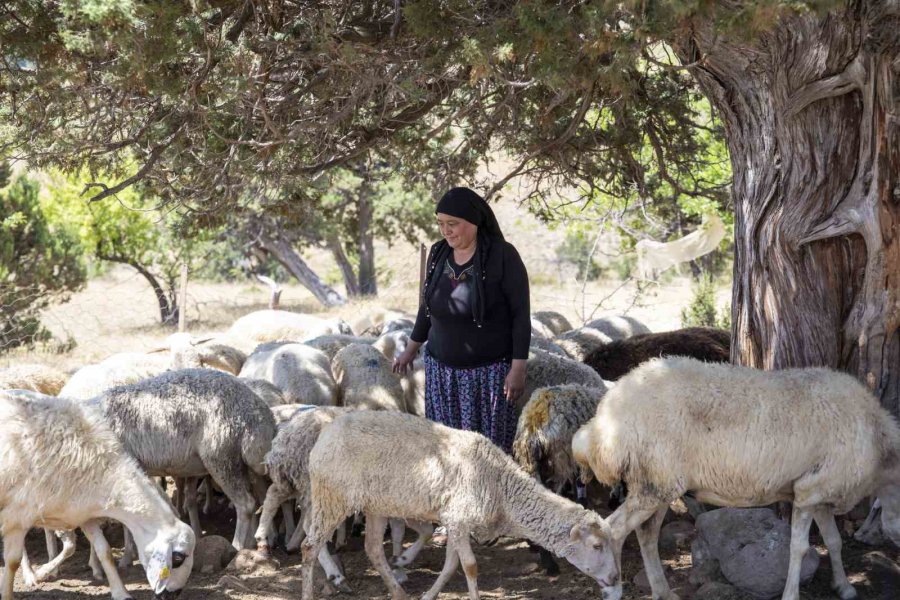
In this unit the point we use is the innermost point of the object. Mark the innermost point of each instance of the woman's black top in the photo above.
(454, 338)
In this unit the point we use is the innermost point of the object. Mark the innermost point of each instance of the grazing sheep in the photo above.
(303, 374)
(364, 461)
(365, 379)
(545, 369)
(553, 321)
(736, 436)
(392, 343)
(375, 322)
(187, 352)
(268, 392)
(48, 443)
(36, 378)
(195, 422)
(329, 345)
(578, 343)
(280, 325)
(399, 324)
(119, 369)
(547, 346)
(617, 327)
(543, 444)
(617, 358)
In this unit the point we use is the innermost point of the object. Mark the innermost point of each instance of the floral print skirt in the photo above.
(471, 399)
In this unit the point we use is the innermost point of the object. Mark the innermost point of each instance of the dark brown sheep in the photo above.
(615, 359)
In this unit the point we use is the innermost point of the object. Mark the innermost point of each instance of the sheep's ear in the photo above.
(576, 533)
(158, 571)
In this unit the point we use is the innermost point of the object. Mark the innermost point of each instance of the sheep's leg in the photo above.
(467, 557)
(13, 548)
(375, 526)
(94, 564)
(287, 514)
(694, 506)
(178, 496)
(68, 549)
(190, 504)
(275, 497)
(635, 510)
(451, 560)
(129, 553)
(238, 488)
(50, 541)
(648, 538)
(398, 530)
(801, 519)
(296, 539)
(207, 494)
(424, 529)
(104, 553)
(870, 531)
(828, 528)
(319, 531)
(28, 577)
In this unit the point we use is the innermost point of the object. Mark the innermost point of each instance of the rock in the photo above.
(252, 563)
(883, 572)
(752, 549)
(212, 553)
(676, 534)
(640, 580)
(715, 590)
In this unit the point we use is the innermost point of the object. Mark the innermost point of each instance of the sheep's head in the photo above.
(590, 549)
(168, 560)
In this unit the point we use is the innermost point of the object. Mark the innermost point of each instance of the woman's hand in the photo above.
(515, 380)
(402, 362)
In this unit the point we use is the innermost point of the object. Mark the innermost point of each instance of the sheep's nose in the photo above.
(168, 595)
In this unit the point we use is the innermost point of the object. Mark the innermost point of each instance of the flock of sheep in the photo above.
(291, 412)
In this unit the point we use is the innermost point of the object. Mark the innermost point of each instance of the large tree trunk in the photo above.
(812, 120)
(340, 257)
(284, 253)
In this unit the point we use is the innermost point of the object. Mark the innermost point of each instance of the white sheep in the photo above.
(331, 344)
(48, 443)
(553, 322)
(36, 378)
(118, 369)
(367, 461)
(365, 379)
(302, 373)
(736, 436)
(263, 326)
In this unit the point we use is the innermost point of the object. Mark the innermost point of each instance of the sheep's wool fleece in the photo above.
(679, 424)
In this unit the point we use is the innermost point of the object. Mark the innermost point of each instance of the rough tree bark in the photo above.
(340, 257)
(812, 121)
(284, 253)
(368, 286)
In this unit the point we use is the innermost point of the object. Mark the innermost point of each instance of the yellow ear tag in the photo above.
(164, 573)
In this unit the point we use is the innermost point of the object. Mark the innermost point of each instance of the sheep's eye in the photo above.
(598, 546)
(177, 559)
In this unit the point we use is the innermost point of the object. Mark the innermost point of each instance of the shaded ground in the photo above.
(506, 570)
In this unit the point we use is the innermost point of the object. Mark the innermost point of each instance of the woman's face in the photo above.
(459, 233)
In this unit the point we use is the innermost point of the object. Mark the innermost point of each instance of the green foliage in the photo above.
(702, 312)
(577, 250)
(39, 264)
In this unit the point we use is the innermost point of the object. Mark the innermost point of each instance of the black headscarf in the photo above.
(463, 203)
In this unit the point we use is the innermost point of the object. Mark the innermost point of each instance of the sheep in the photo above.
(303, 374)
(47, 444)
(329, 345)
(187, 352)
(280, 325)
(617, 358)
(547, 346)
(413, 384)
(545, 369)
(553, 321)
(376, 321)
(37, 378)
(363, 461)
(580, 342)
(119, 369)
(736, 436)
(543, 443)
(267, 392)
(195, 422)
(617, 327)
(365, 379)
(392, 343)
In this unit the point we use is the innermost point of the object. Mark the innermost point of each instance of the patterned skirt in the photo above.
(471, 399)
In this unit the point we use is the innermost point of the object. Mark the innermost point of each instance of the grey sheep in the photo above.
(553, 321)
(195, 422)
(267, 392)
(330, 344)
(546, 369)
(580, 342)
(617, 327)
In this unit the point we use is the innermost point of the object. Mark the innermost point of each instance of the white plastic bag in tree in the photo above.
(655, 257)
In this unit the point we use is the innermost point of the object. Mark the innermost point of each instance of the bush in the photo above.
(701, 312)
(576, 250)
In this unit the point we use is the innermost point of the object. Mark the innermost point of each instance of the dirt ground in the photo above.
(506, 570)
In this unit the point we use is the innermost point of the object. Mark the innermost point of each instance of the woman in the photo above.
(474, 313)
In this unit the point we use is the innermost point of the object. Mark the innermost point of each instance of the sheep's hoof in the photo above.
(29, 580)
(341, 585)
(846, 591)
(400, 576)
